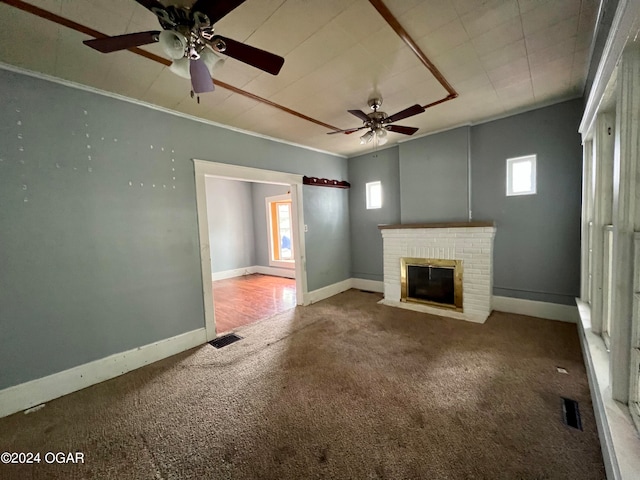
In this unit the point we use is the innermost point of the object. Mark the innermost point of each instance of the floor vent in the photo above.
(571, 413)
(225, 340)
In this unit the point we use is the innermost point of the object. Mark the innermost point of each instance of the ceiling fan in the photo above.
(188, 37)
(378, 122)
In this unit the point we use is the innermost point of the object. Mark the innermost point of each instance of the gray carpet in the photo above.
(344, 389)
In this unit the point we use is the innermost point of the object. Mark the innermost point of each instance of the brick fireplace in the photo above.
(432, 245)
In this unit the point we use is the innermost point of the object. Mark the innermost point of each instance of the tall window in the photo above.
(374, 195)
(521, 175)
(280, 231)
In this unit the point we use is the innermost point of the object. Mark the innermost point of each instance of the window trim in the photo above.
(534, 176)
(368, 203)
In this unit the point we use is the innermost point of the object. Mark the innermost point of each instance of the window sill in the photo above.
(290, 264)
(619, 440)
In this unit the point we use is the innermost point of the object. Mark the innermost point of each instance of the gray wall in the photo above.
(260, 191)
(326, 213)
(230, 217)
(434, 178)
(98, 228)
(537, 244)
(366, 239)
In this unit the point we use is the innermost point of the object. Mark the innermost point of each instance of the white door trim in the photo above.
(247, 174)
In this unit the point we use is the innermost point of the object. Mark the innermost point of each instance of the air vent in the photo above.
(571, 413)
(225, 340)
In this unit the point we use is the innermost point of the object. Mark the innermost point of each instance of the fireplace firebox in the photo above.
(432, 281)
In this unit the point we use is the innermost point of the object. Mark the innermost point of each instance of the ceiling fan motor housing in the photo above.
(376, 120)
(172, 17)
(375, 103)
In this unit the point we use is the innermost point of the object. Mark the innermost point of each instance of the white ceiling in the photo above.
(501, 56)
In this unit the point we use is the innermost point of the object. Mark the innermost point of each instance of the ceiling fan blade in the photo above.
(215, 10)
(407, 112)
(401, 129)
(200, 77)
(347, 131)
(122, 42)
(253, 56)
(149, 4)
(360, 114)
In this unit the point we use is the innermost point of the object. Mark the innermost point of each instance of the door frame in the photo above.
(204, 168)
(286, 198)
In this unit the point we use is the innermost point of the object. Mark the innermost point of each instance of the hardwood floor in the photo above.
(243, 300)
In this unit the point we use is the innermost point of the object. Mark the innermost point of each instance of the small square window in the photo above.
(521, 175)
(374, 195)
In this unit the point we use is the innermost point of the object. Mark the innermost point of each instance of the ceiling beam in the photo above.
(410, 42)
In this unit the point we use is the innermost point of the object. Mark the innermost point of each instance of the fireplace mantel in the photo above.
(437, 225)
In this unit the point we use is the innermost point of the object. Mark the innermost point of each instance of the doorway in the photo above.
(279, 216)
(295, 240)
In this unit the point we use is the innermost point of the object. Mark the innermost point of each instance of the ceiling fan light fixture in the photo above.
(211, 60)
(173, 43)
(381, 135)
(366, 138)
(181, 67)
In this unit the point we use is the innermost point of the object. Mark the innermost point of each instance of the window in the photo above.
(521, 175)
(374, 195)
(280, 231)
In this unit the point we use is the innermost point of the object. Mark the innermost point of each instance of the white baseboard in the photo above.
(328, 291)
(26, 395)
(339, 287)
(368, 285)
(238, 272)
(550, 311)
(275, 271)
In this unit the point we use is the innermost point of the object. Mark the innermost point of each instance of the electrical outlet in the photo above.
(306, 228)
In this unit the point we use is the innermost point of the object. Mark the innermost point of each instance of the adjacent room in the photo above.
(250, 229)
(296, 239)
